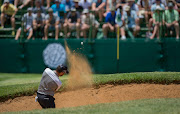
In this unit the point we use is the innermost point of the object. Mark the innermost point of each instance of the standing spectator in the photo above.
(68, 3)
(98, 7)
(86, 4)
(72, 23)
(8, 12)
(130, 17)
(58, 8)
(38, 22)
(52, 22)
(28, 23)
(22, 2)
(171, 18)
(38, 5)
(89, 20)
(76, 5)
(157, 21)
(110, 24)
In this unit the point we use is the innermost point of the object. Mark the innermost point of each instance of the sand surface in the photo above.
(104, 94)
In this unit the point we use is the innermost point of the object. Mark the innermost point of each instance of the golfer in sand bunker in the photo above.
(50, 83)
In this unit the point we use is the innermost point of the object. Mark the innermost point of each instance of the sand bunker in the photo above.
(105, 94)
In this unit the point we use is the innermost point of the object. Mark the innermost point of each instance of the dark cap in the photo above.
(62, 68)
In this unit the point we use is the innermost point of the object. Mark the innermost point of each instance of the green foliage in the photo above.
(145, 106)
(13, 85)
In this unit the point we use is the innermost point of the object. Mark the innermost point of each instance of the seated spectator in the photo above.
(59, 8)
(38, 22)
(8, 12)
(98, 7)
(86, 4)
(22, 2)
(133, 6)
(145, 9)
(130, 17)
(72, 23)
(88, 20)
(157, 21)
(27, 19)
(171, 18)
(38, 5)
(110, 24)
(77, 7)
(52, 23)
(68, 4)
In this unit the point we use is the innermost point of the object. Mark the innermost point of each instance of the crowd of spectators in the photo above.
(65, 17)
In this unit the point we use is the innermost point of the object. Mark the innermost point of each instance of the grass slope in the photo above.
(13, 85)
(145, 106)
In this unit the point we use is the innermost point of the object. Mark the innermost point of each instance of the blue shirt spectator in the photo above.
(68, 3)
(58, 7)
(111, 18)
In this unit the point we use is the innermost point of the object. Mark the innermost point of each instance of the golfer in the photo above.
(49, 84)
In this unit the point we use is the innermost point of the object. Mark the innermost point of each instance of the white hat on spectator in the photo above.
(127, 8)
(170, 4)
(73, 9)
(85, 11)
(6, 1)
(158, 8)
(29, 9)
(50, 10)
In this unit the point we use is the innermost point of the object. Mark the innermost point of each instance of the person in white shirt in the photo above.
(27, 19)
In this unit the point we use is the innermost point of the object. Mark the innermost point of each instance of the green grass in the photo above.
(13, 85)
(145, 106)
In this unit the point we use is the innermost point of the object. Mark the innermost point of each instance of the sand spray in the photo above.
(80, 74)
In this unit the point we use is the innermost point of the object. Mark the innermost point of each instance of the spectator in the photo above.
(68, 4)
(98, 7)
(151, 20)
(171, 18)
(38, 5)
(27, 19)
(52, 22)
(71, 23)
(22, 2)
(86, 4)
(157, 21)
(110, 24)
(130, 17)
(88, 20)
(76, 5)
(8, 12)
(133, 6)
(38, 22)
(59, 8)
(145, 9)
